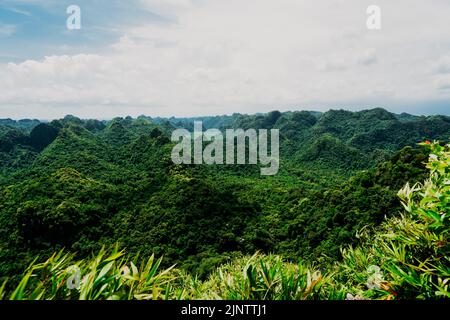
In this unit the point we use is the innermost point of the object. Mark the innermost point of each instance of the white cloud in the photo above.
(244, 56)
(368, 57)
(167, 7)
(442, 65)
(22, 12)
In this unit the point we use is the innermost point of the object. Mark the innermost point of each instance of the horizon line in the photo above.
(224, 115)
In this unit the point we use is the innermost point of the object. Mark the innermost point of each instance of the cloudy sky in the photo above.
(206, 57)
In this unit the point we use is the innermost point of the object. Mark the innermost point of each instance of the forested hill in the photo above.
(80, 184)
(338, 139)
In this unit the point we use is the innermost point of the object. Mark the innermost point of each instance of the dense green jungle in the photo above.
(358, 210)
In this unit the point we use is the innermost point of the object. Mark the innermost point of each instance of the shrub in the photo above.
(410, 252)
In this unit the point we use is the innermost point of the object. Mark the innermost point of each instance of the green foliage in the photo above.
(185, 231)
(317, 223)
(42, 135)
(406, 258)
(83, 184)
(113, 276)
(25, 125)
(266, 278)
(412, 250)
(105, 276)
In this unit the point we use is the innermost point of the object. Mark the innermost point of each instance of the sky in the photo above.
(209, 57)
